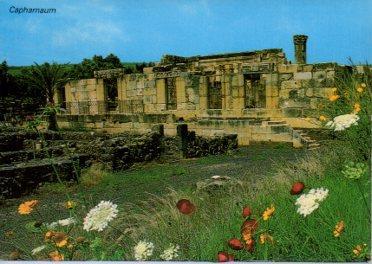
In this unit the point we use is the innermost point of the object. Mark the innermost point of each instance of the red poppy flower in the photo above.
(224, 257)
(249, 226)
(246, 212)
(185, 206)
(235, 243)
(297, 188)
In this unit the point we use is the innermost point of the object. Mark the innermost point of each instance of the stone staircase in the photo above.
(305, 140)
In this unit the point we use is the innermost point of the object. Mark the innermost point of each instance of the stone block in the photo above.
(302, 76)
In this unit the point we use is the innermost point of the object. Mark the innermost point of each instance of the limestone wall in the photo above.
(85, 97)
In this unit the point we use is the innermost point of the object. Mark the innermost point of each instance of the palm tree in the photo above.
(48, 78)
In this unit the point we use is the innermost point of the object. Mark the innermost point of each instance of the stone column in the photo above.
(300, 48)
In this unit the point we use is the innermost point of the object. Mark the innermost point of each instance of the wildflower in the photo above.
(9, 233)
(339, 228)
(143, 250)
(249, 226)
(67, 221)
(235, 243)
(357, 108)
(224, 257)
(185, 206)
(322, 118)
(70, 204)
(52, 225)
(27, 207)
(363, 85)
(266, 238)
(59, 238)
(14, 255)
(99, 217)
(333, 97)
(56, 256)
(297, 188)
(216, 177)
(360, 89)
(268, 213)
(359, 249)
(38, 249)
(309, 202)
(170, 253)
(246, 212)
(342, 122)
(48, 235)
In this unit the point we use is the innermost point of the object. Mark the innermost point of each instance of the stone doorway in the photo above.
(255, 91)
(170, 87)
(214, 94)
(111, 93)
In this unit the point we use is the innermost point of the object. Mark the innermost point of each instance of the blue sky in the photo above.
(145, 30)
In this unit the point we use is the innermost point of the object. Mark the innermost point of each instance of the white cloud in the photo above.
(90, 32)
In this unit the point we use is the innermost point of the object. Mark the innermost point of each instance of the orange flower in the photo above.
(322, 118)
(268, 213)
(357, 108)
(27, 207)
(56, 256)
(70, 204)
(266, 238)
(358, 249)
(59, 238)
(339, 228)
(334, 97)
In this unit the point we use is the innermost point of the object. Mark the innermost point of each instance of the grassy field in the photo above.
(146, 195)
(134, 186)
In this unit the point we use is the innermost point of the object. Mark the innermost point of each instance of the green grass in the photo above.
(147, 194)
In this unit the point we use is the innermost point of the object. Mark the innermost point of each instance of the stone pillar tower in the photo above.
(300, 48)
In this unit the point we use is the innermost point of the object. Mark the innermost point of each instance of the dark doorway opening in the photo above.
(171, 92)
(111, 93)
(255, 91)
(214, 95)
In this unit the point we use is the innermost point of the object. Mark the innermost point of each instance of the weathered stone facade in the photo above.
(243, 93)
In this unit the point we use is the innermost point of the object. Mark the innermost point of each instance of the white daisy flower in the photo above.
(67, 221)
(342, 122)
(310, 202)
(143, 250)
(37, 250)
(99, 216)
(170, 253)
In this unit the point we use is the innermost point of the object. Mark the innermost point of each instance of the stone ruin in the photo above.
(28, 159)
(258, 95)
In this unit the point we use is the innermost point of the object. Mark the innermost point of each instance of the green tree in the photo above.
(48, 78)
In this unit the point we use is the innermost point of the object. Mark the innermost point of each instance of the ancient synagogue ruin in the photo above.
(258, 95)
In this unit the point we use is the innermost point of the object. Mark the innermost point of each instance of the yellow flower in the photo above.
(70, 204)
(59, 238)
(268, 212)
(358, 249)
(322, 118)
(363, 85)
(339, 228)
(27, 207)
(357, 108)
(334, 97)
(56, 256)
(266, 238)
(360, 89)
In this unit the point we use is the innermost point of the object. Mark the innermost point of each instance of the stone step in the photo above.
(10, 157)
(25, 177)
(313, 148)
(276, 122)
